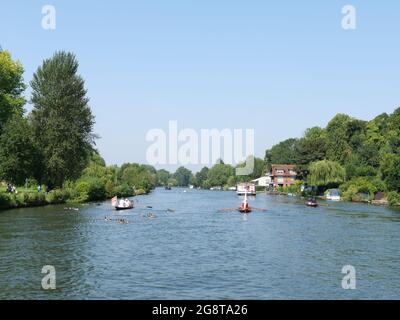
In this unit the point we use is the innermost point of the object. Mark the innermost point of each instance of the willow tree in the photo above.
(11, 88)
(61, 118)
(326, 173)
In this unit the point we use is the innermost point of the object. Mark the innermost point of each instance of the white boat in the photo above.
(333, 195)
(246, 188)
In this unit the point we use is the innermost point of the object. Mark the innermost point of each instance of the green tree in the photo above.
(201, 177)
(392, 174)
(19, 155)
(282, 153)
(219, 174)
(311, 148)
(182, 176)
(162, 177)
(326, 173)
(11, 88)
(62, 120)
(338, 147)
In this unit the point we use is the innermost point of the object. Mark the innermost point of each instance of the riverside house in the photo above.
(283, 175)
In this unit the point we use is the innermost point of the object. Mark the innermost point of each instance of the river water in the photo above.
(196, 252)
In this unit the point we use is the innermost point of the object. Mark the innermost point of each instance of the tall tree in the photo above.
(62, 120)
(11, 88)
(326, 173)
(182, 176)
(19, 155)
(282, 153)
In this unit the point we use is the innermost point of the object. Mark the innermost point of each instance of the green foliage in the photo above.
(219, 174)
(182, 176)
(19, 155)
(58, 196)
(61, 118)
(282, 153)
(326, 173)
(311, 148)
(11, 88)
(392, 173)
(201, 177)
(295, 188)
(162, 177)
(137, 176)
(354, 189)
(124, 190)
(394, 198)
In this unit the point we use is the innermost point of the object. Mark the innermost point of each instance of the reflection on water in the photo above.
(195, 251)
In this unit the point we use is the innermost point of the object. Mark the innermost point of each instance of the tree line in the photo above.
(54, 145)
(360, 157)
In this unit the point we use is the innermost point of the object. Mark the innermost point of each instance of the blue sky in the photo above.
(276, 66)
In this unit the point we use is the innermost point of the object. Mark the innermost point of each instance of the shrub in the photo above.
(57, 196)
(354, 189)
(82, 188)
(97, 190)
(91, 189)
(4, 200)
(124, 191)
(394, 198)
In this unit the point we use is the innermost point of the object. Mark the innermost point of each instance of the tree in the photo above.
(282, 153)
(392, 174)
(182, 176)
(338, 147)
(19, 155)
(138, 176)
(201, 177)
(326, 173)
(62, 120)
(162, 177)
(11, 88)
(311, 148)
(258, 170)
(219, 174)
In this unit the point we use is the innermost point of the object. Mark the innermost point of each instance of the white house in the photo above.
(264, 181)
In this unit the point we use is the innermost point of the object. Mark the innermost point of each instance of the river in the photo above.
(288, 252)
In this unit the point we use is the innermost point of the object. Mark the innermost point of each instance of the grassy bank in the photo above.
(26, 198)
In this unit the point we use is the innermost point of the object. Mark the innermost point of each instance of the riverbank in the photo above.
(31, 199)
(389, 201)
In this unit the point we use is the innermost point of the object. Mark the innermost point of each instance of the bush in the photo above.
(58, 196)
(354, 189)
(124, 191)
(91, 189)
(4, 200)
(97, 190)
(82, 188)
(394, 198)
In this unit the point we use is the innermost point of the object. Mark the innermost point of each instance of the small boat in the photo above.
(244, 207)
(118, 208)
(312, 203)
(168, 188)
(120, 205)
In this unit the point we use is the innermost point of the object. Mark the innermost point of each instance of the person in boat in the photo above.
(127, 203)
(121, 203)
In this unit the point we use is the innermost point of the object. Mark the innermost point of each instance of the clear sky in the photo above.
(276, 66)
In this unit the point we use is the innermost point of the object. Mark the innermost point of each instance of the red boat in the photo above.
(244, 207)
